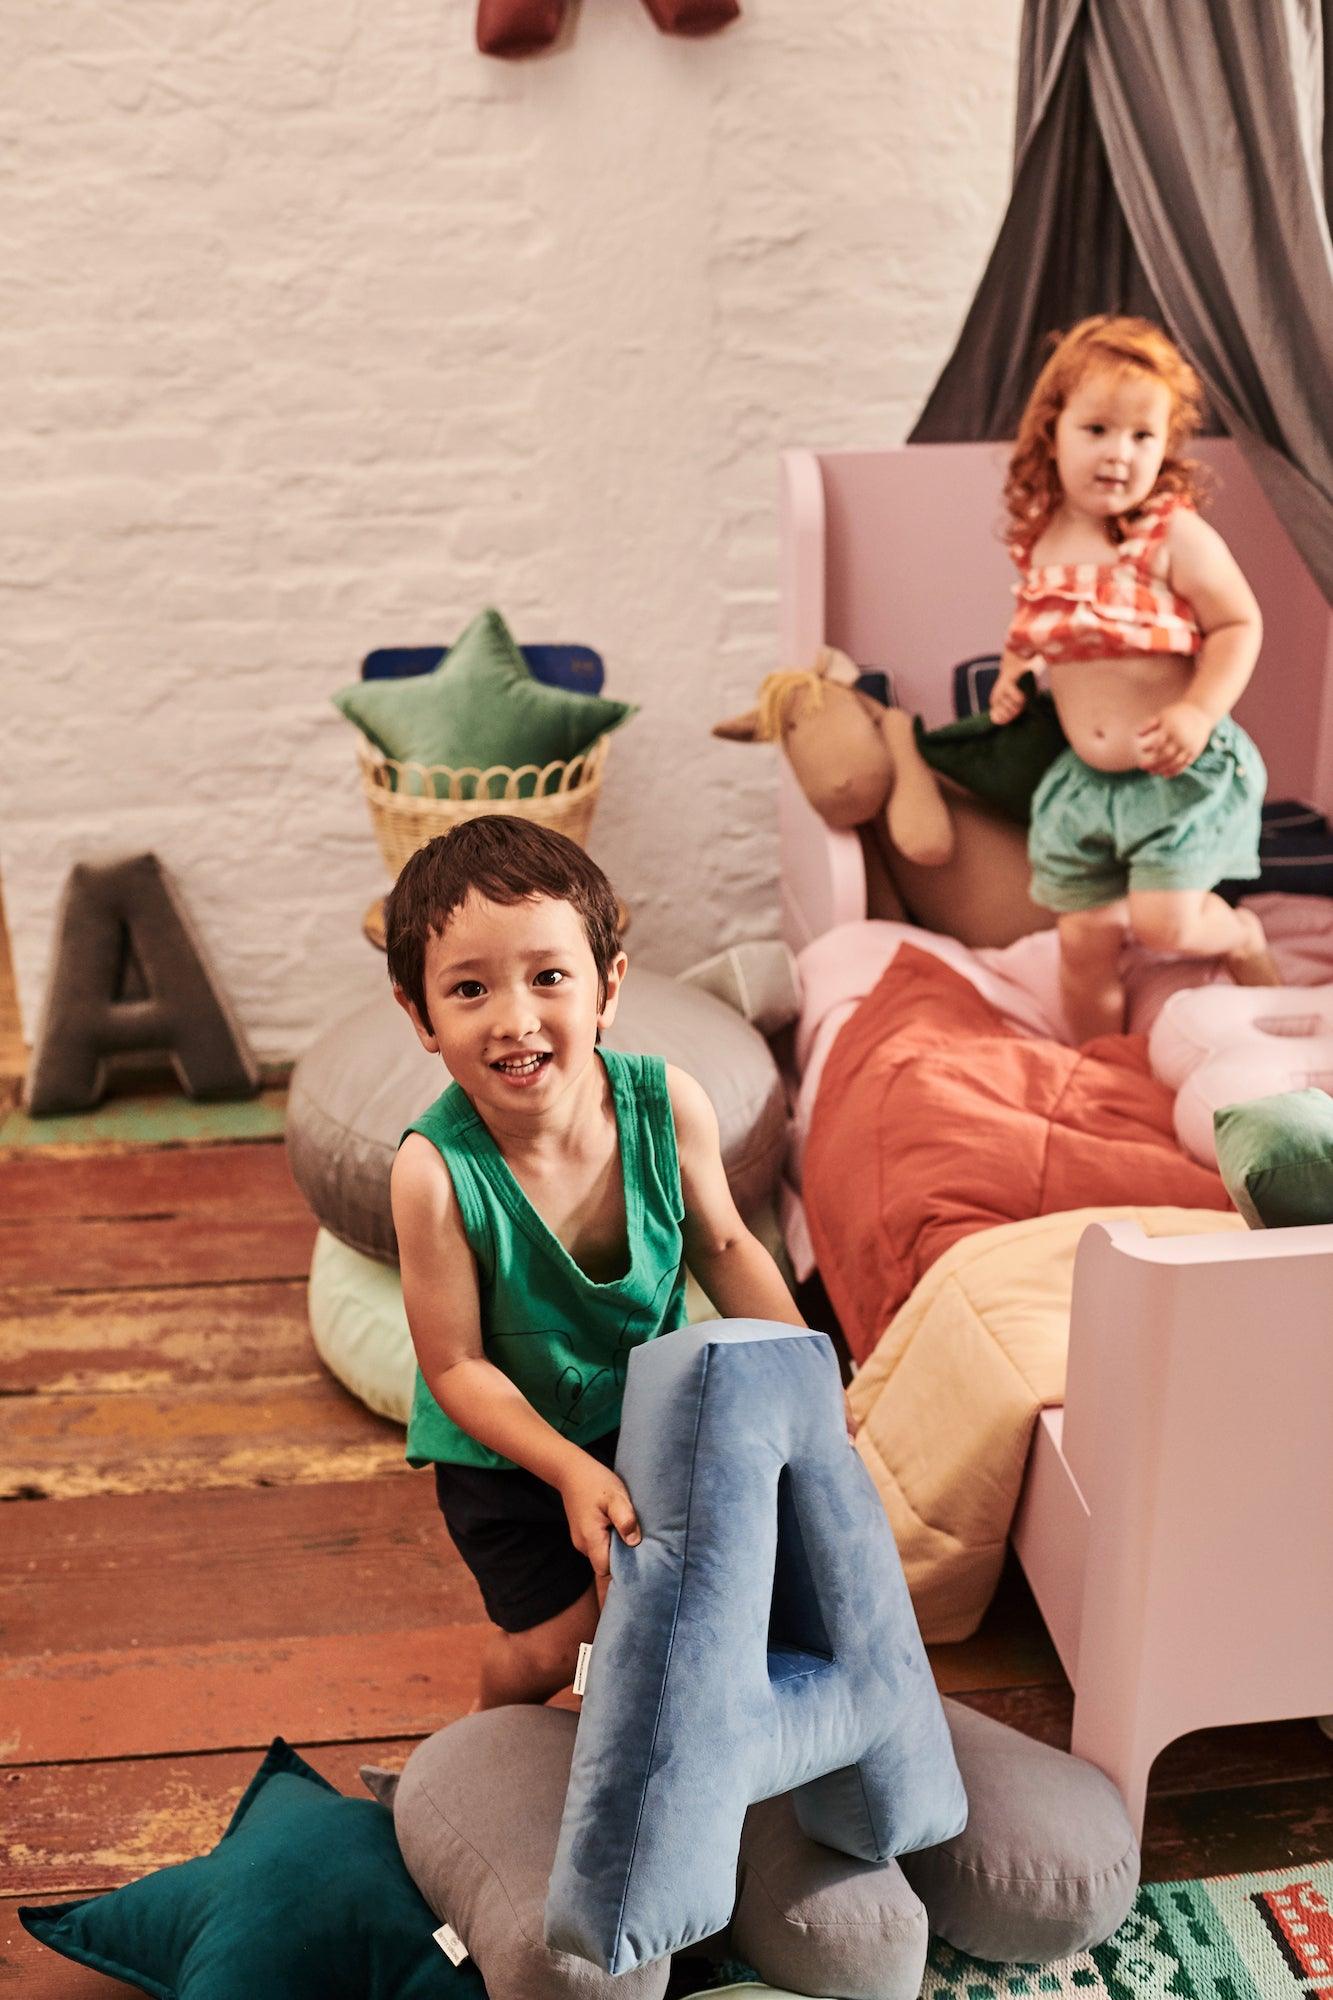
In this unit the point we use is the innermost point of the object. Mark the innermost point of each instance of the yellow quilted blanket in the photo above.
(948, 1400)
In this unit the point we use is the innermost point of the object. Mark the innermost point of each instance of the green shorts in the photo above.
(1097, 834)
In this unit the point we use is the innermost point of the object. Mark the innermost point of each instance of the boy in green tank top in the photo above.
(545, 1207)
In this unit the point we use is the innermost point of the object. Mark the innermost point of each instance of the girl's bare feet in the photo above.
(1253, 963)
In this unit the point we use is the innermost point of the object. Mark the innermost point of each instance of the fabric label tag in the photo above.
(447, 1938)
(581, 1670)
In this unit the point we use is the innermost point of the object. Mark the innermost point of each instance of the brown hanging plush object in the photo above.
(692, 17)
(522, 27)
(518, 27)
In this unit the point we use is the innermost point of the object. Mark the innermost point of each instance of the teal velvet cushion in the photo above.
(1276, 1157)
(305, 1897)
(481, 706)
(1002, 763)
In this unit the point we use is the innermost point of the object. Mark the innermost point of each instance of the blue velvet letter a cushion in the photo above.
(759, 1640)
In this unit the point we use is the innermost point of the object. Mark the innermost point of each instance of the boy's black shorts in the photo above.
(511, 1531)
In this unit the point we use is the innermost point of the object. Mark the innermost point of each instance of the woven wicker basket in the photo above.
(565, 797)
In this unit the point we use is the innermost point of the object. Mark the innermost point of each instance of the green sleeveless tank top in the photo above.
(563, 1339)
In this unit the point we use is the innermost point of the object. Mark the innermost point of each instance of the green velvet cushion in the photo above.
(1276, 1157)
(481, 706)
(1002, 763)
(305, 1897)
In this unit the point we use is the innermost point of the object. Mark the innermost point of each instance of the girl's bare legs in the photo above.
(1090, 945)
(1200, 924)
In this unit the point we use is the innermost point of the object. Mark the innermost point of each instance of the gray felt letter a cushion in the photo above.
(131, 973)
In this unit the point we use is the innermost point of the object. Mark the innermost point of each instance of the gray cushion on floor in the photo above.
(367, 1077)
(1047, 1864)
(818, 1921)
(477, 1814)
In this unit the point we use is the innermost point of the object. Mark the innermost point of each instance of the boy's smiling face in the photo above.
(514, 1002)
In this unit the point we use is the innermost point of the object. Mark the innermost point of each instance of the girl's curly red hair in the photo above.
(1119, 344)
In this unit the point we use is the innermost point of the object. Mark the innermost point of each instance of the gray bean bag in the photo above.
(367, 1077)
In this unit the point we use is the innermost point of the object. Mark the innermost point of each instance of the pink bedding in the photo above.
(936, 1119)
(1021, 981)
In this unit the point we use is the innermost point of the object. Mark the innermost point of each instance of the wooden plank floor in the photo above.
(208, 1542)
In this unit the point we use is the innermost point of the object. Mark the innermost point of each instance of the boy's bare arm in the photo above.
(444, 1316)
(730, 1263)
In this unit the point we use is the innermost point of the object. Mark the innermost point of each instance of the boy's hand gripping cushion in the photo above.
(760, 1639)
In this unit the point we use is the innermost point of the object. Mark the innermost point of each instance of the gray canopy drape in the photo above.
(1172, 159)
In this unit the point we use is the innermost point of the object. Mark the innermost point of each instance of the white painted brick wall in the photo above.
(320, 331)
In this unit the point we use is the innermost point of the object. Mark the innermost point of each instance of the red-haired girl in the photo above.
(1150, 633)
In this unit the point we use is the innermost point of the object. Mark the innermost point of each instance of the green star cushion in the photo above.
(1002, 763)
(305, 1897)
(480, 706)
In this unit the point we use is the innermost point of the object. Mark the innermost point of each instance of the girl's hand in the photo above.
(1007, 700)
(1170, 743)
(595, 1503)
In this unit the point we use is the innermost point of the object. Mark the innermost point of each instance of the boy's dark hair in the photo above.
(504, 859)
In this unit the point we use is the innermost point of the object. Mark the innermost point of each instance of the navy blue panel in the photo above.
(1293, 816)
(577, 668)
(399, 663)
(972, 683)
(1295, 854)
(878, 684)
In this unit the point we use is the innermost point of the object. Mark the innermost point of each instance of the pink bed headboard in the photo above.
(894, 556)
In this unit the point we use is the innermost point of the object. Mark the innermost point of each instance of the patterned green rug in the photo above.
(1229, 1937)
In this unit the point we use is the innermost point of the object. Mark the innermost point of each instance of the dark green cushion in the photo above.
(1000, 762)
(1276, 1157)
(305, 1897)
(481, 706)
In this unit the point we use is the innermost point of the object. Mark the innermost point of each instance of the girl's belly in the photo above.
(1102, 704)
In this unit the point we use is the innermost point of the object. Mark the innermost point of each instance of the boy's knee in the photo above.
(551, 1649)
(547, 1655)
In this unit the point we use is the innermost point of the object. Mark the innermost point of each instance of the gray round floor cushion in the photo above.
(1047, 1866)
(367, 1077)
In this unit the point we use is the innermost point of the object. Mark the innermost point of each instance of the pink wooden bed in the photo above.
(1176, 1522)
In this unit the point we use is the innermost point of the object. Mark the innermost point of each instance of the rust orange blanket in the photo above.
(935, 1119)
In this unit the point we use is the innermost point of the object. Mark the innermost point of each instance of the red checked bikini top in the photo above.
(1107, 610)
